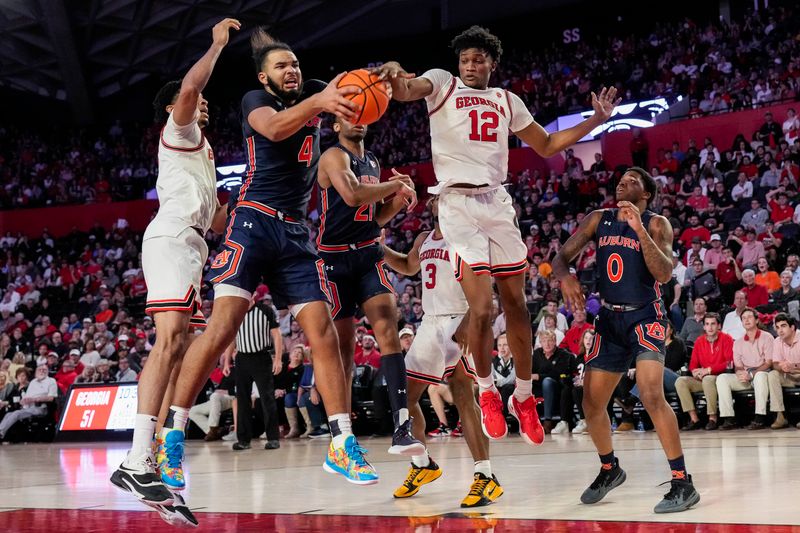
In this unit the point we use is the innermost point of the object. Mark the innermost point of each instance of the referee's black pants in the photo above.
(255, 367)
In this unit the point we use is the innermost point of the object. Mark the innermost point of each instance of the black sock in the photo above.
(169, 422)
(393, 368)
(678, 467)
(608, 460)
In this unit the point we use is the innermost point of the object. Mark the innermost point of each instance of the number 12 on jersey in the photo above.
(483, 126)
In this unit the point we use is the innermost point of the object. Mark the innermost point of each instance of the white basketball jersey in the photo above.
(469, 130)
(441, 293)
(187, 181)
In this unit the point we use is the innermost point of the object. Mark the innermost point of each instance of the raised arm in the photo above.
(196, 79)
(570, 287)
(405, 86)
(334, 170)
(406, 264)
(549, 144)
(279, 125)
(656, 241)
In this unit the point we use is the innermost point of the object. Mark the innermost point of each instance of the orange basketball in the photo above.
(373, 99)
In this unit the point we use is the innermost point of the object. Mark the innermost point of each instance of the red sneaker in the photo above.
(529, 425)
(492, 420)
(441, 431)
(458, 431)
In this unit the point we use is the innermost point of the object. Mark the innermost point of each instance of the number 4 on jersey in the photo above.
(306, 151)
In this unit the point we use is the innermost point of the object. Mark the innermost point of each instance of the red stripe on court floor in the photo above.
(90, 521)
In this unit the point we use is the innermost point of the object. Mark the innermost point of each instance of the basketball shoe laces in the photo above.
(478, 486)
(492, 401)
(356, 453)
(529, 414)
(412, 475)
(676, 486)
(174, 454)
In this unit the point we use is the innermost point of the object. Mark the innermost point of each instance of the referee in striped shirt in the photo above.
(257, 341)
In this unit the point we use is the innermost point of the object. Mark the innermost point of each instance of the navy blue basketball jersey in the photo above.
(622, 273)
(280, 174)
(340, 223)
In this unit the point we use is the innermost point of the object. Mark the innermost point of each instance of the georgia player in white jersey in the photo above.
(173, 255)
(470, 122)
(435, 357)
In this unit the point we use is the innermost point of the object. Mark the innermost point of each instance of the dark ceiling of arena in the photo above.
(83, 50)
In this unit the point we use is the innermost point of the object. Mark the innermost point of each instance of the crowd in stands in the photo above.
(717, 65)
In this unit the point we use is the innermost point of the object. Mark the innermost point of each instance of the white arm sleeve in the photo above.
(521, 117)
(188, 136)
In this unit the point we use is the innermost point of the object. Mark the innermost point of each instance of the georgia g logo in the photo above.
(221, 259)
(656, 330)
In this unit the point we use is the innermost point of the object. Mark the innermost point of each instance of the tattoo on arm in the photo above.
(575, 244)
(657, 248)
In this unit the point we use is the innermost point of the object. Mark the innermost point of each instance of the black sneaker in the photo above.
(729, 424)
(712, 425)
(681, 496)
(272, 445)
(319, 433)
(140, 479)
(404, 443)
(177, 514)
(692, 426)
(241, 446)
(605, 481)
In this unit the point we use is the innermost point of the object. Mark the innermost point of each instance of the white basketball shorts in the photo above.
(480, 226)
(434, 354)
(173, 271)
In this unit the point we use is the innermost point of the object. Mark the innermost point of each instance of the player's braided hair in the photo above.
(648, 182)
(480, 38)
(262, 43)
(164, 97)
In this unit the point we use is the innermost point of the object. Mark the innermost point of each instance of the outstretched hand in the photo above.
(406, 191)
(572, 292)
(605, 103)
(390, 71)
(221, 31)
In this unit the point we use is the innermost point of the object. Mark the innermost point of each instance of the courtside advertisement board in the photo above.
(98, 411)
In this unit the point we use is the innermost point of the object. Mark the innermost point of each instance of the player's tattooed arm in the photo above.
(405, 86)
(657, 248)
(406, 264)
(571, 289)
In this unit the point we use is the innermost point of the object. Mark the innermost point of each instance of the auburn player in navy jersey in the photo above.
(634, 255)
(352, 213)
(266, 237)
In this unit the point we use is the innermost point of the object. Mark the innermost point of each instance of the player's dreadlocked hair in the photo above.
(647, 181)
(262, 43)
(480, 38)
(164, 97)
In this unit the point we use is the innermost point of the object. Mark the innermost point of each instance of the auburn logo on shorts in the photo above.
(656, 330)
(221, 259)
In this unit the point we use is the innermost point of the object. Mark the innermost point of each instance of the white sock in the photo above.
(523, 390)
(483, 467)
(345, 428)
(143, 430)
(421, 460)
(402, 415)
(181, 417)
(486, 383)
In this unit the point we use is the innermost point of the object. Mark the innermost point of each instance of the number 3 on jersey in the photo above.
(430, 271)
(306, 153)
(614, 268)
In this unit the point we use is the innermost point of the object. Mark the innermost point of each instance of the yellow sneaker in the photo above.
(484, 491)
(418, 476)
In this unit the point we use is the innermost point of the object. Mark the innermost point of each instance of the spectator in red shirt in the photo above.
(729, 275)
(367, 353)
(66, 376)
(750, 169)
(698, 201)
(668, 164)
(104, 314)
(573, 336)
(780, 212)
(756, 294)
(694, 230)
(712, 355)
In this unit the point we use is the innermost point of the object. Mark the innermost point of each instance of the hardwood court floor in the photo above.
(745, 478)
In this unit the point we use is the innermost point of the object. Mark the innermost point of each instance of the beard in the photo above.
(287, 96)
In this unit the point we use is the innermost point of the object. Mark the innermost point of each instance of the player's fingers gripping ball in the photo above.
(373, 98)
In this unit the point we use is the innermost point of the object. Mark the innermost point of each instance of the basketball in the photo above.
(373, 100)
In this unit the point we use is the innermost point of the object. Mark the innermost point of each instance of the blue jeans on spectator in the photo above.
(676, 315)
(670, 377)
(315, 412)
(290, 399)
(550, 390)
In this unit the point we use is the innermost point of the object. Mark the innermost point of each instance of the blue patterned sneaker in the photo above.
(350, 462)
(169, 458)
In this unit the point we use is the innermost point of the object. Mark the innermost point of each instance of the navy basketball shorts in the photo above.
(624, 337)
(260, 247)
(354, 277)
